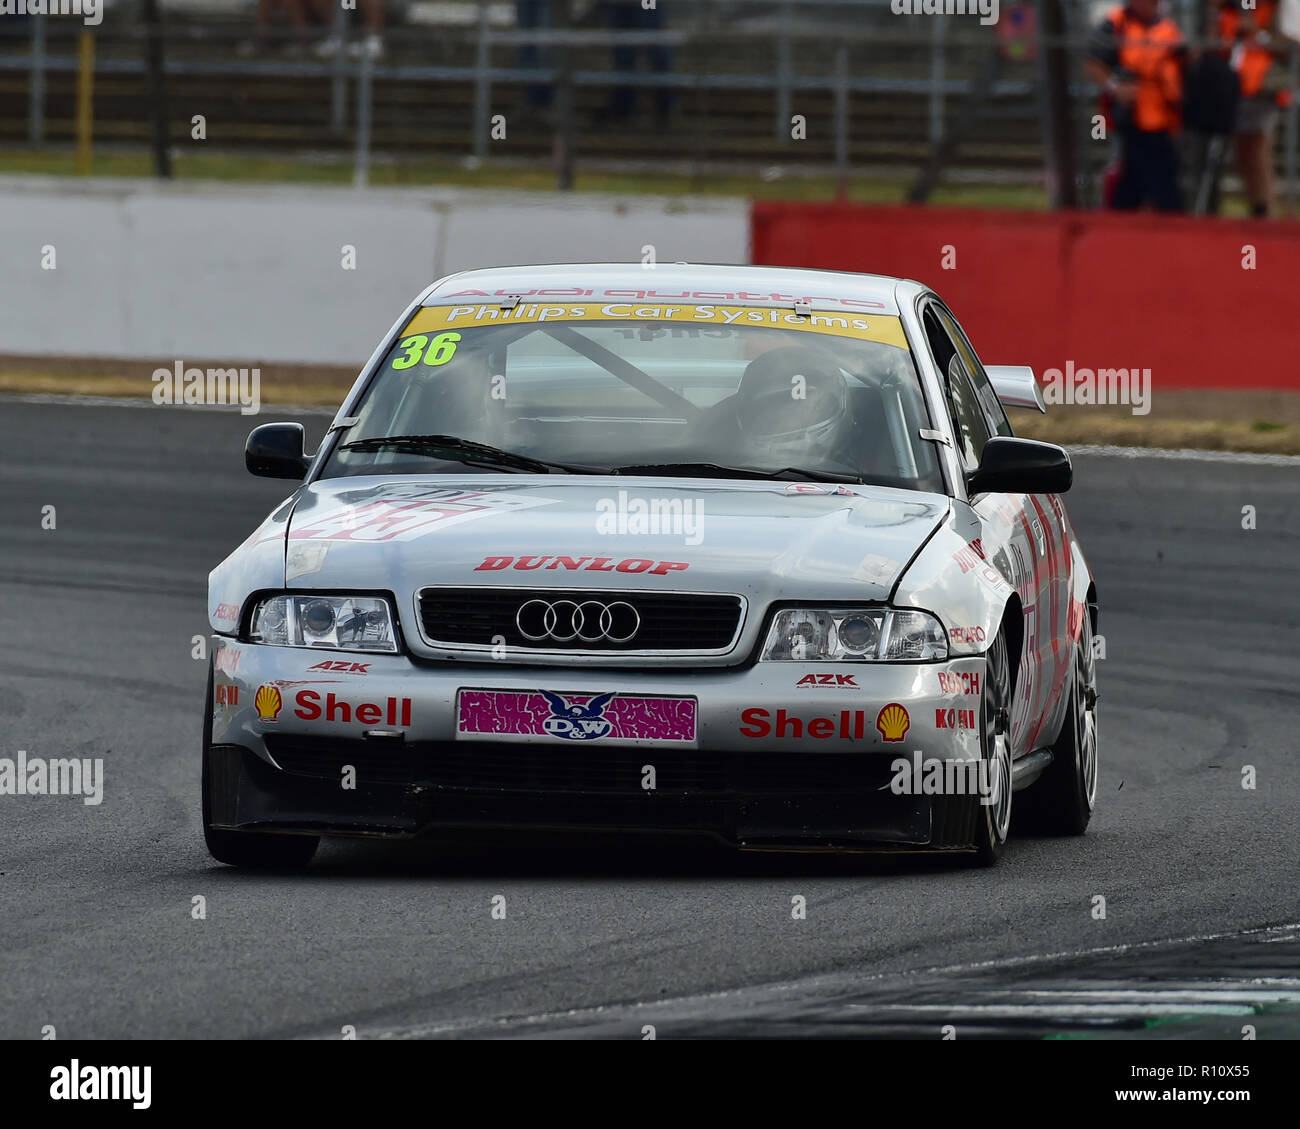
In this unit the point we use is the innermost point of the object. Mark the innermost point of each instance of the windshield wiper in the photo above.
(465, 451)
(714, 470)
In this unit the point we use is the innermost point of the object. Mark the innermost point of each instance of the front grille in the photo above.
(550, 769)
(668, 621)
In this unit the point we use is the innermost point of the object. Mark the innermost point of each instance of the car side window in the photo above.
(967, 414)
(994, 415)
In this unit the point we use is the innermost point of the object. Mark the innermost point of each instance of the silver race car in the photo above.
(736, 552)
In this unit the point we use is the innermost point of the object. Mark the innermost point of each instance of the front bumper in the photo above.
(383, 745)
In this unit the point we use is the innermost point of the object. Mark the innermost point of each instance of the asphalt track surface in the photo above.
(97, 936)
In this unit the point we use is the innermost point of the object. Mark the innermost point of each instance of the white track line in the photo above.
(445, 1027)
(1187, 454)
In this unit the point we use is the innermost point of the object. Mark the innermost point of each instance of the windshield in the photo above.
(648, 389)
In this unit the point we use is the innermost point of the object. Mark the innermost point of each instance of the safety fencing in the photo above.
(1201, 304)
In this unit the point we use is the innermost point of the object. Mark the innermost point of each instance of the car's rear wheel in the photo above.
(993, 821)
(253, 850)
(1060, 802)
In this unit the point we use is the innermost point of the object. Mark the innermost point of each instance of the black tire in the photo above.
(1060, 802)
(252, 850)
(993, 820)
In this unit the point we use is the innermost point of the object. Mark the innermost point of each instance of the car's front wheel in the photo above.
(253, 850)
(1060, 802)
(993, 822)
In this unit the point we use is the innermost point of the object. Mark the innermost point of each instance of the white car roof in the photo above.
(675, 281)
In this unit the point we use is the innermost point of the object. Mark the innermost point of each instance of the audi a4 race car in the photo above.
(737, 552)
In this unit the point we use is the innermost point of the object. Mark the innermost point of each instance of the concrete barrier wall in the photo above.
(237, 273)
(1168, 293)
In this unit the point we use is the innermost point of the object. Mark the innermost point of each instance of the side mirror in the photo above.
(274, 450)
(1016, 386)
(1021, 466)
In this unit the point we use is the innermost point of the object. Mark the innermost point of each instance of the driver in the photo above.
(792, 405)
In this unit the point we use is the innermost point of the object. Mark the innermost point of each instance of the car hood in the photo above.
(763, 540)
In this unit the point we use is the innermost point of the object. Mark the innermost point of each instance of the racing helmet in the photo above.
(781, 413)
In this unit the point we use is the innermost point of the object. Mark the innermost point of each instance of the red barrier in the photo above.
(1101, 289)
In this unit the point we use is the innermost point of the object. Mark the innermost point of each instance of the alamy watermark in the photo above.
(922, 776)
(987, 10)
(63, 776)
(223, 387)
(76, 1082)
(671, 517)
(90, 11)
(1098, 386)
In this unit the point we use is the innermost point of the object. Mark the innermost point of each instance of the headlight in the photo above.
(340, 623)
(855, 635)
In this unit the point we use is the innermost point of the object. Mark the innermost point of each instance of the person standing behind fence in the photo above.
(1251, 45)
(534, 15)
(1135, 56)
(630, 15)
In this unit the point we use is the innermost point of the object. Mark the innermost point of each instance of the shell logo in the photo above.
(268, 702)
(893, 722)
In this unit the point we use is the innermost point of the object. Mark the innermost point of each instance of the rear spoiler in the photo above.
(1016, 386)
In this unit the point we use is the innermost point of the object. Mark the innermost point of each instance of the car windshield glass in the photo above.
(657, 390)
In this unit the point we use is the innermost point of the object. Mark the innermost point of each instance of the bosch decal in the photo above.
(226, 660)
(963, 683)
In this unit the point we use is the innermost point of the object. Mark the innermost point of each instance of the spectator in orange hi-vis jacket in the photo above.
(1135, 56)
(1250, 41)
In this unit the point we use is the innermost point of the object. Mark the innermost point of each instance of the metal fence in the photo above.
(692, 85)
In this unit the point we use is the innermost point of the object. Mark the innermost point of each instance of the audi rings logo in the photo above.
(567, 621)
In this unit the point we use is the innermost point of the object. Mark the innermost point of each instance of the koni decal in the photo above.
(954, 719)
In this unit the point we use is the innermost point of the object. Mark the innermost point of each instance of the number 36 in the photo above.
(434, 352)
